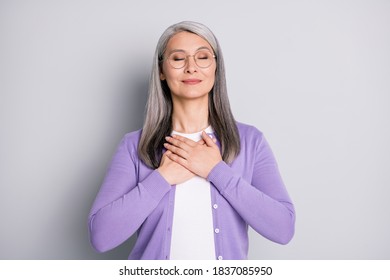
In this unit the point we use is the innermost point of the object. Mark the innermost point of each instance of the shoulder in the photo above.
(133, 136)
(253, 140)
(130, 142)
(249, 131)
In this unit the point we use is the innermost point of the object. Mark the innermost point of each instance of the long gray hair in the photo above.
(158, 119)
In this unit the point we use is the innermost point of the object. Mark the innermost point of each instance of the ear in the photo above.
(162, 76)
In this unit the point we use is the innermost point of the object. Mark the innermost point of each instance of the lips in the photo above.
(191, 81)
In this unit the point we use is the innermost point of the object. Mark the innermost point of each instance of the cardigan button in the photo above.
(215, 206)
(216, 230)
(220, 258)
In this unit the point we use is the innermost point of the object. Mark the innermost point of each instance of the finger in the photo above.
(208, 140)
(202, 142)
(164, 157)
(176, 150)
(178, 159)
(167, 153)
(178, 143)
(185, 140)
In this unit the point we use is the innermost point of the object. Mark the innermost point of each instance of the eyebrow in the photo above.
(198, 49)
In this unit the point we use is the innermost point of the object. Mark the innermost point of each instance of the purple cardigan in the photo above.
(136, 198)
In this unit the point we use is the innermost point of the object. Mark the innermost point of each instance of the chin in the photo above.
(195, 95)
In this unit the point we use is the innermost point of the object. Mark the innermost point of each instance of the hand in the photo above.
(198, 157)
(173, 172)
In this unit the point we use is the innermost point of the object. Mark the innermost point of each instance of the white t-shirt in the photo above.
(192, 229)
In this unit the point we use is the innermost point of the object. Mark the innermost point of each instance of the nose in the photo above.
(190, 66)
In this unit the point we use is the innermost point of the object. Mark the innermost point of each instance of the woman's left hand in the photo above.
(198, 157)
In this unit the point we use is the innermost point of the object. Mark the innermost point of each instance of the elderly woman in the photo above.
(192, 180)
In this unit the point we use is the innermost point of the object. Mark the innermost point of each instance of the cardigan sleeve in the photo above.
(264, 202)
(123, 202)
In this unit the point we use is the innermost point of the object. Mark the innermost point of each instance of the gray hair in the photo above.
(158, 117)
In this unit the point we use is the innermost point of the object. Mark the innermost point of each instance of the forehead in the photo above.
(186, 41)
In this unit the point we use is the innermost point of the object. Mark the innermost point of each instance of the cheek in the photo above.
(213, 72)
(171, 82)
(169, 74)
(212, 76)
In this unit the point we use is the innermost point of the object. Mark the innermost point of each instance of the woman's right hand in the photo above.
(173, 172)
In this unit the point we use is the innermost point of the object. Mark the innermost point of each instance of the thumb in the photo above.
(208, 140)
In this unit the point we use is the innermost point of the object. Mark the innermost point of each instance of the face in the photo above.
(191, 81)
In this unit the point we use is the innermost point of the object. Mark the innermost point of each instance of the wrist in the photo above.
(213, 170)
(163, 174)
(212, 166)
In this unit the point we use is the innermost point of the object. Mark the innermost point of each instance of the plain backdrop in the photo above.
(313, 76)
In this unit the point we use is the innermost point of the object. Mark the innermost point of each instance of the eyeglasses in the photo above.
(202, 58)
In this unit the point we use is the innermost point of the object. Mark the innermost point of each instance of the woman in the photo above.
(193, 179)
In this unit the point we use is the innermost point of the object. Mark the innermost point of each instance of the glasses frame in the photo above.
(187, 58)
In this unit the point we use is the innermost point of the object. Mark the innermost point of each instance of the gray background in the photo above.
(312, 75)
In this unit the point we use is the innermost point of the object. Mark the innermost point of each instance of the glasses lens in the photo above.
(203, 58)
(177, 59)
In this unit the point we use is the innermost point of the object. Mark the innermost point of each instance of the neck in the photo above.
(190, 116)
